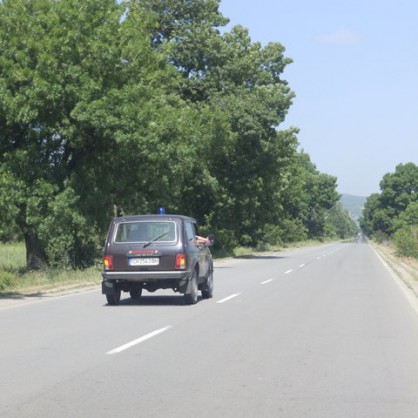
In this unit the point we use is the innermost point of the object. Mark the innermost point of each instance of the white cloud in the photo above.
(339, 37)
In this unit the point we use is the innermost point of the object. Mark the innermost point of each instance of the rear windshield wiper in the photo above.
(155, 239)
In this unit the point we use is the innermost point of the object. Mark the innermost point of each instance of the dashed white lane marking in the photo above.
(302, 265)
(267, 281)
(288, 271)
(228, 298)
(139, 340)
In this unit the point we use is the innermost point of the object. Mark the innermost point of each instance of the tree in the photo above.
(91, 121)
(375, 219)
(309, 196)
(406, 241)
(406, 231)
(122, 106)
(384, 213)
(61, 62)
(240, 82)
(245, 84)
(339, 222)
(44, 72)
(408, 217)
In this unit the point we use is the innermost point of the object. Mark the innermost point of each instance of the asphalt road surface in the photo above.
(321, 332)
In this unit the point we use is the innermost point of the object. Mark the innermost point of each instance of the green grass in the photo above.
(249, 251)
(12, 257)
(55, 281)
(14, 279)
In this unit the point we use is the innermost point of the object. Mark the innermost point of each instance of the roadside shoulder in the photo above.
(405, 268)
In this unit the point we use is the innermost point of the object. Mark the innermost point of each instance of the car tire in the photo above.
(192, 292)
(114, 298)
(135, 293)
(207, 290)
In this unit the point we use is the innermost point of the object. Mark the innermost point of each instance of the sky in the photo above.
(355, 76)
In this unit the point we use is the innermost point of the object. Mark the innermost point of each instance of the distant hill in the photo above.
(354, 204)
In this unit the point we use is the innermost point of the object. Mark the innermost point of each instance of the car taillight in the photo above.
(180, 262)
(108, 262)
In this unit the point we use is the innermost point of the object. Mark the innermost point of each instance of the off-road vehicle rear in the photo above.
(154, 252)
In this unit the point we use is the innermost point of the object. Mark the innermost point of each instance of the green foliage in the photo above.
(386, 211)
(306, 197)
(68, 239)
(406, 241)
(408, 217)
(12, 194)
(293, 230)
(395, 206)
(109, 106)
(272, 234)
(368, 219)
(339, 223)
(380, 237)
(225, 242)
(394, 211)
(7, 280)
(12, 257)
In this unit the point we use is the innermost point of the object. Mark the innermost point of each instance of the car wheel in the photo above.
(207, 290)
(192, 291)
(135, 293)
(113, 298)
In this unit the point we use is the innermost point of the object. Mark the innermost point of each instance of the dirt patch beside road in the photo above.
(406, 268)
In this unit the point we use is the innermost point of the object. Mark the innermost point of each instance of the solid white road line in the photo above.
(408, 293)
(139, 340)
(228, 298)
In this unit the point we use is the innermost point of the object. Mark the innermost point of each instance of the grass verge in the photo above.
(16, 281)
(50, 281)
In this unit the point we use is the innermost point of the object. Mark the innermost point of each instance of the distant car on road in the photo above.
(154, 252)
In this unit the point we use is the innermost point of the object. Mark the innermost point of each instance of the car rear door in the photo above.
(146, 245)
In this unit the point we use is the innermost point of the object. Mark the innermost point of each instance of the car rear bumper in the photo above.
(144, 276)
(151, 281)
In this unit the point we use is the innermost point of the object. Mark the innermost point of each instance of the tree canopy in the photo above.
(110, 107)
(394, 211)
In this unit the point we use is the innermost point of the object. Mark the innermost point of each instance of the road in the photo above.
(324, 331)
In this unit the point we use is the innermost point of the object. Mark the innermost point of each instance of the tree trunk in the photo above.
(35, 256)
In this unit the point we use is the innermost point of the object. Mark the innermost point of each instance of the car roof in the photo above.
(133, 218)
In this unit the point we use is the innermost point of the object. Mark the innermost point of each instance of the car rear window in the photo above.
(146, 231)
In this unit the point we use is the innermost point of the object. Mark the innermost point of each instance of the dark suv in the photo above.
(156, 252)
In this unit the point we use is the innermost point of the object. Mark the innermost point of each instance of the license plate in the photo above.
(148, 261)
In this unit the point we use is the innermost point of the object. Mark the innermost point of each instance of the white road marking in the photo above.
(267, 281)
(228, 298)
(288, 271)
(302, 265)
(398, 280)
(139, 340)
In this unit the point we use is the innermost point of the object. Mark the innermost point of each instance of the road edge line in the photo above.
(408, 293)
